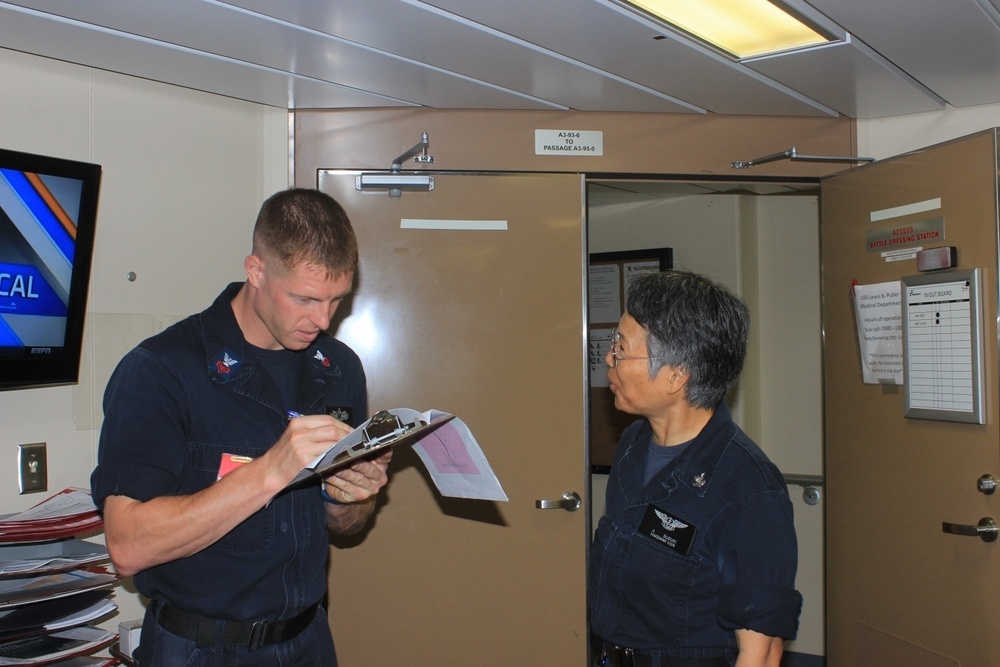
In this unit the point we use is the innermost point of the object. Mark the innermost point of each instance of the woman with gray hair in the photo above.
(693, 564)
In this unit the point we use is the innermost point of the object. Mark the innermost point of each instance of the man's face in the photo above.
(292, 307)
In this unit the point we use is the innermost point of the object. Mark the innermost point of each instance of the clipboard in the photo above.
(387, 428)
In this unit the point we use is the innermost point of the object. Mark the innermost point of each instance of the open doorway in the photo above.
(761, 239)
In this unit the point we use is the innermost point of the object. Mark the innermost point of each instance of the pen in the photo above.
(292, 414)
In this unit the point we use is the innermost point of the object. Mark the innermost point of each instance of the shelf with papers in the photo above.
(54, 585)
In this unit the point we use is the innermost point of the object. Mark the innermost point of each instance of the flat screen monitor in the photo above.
(48, 213)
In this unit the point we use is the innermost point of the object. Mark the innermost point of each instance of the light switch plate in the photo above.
(32, 468)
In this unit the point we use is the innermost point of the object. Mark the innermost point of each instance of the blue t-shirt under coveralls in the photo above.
(173, 407)
(706, 547)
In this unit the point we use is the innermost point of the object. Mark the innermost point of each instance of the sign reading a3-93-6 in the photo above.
(569, 142)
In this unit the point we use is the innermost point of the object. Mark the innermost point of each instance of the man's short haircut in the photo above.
(300, 225)
(693, 324)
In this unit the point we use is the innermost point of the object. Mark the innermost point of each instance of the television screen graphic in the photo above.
(38, 224)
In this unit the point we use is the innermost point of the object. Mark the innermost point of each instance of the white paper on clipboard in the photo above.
(443, 442)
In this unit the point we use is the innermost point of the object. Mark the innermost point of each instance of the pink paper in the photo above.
(445, 448)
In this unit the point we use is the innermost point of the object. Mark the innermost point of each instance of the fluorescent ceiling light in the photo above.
(742, 28)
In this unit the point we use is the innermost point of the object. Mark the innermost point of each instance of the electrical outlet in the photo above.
(32, 468)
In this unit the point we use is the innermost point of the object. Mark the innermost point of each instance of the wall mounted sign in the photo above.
(569, 142)
(924, 231)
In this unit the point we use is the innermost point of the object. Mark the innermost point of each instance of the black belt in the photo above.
(614, 655)
(251, 634)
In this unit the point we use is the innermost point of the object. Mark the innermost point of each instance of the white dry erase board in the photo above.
(942, 346)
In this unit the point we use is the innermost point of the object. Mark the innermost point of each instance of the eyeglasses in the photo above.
(616, 350)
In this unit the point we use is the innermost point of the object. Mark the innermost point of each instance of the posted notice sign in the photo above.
(569, 142)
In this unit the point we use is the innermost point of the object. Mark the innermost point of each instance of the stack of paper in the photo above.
(86, 661)
(54, 614)
(51, 587)
(69, 513)
(22, 590)
(51, 648)
(46, 557)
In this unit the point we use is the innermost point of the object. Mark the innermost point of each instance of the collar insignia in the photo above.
(223, 365)
(340, 413)
(699, 480)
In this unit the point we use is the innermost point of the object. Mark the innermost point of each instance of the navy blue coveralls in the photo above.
(706, 547)
(173, 407)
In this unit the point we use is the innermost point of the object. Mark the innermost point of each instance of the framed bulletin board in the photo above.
(610, 274)
(943, 347)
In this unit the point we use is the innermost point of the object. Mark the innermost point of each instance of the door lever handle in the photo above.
(570, 502)
(986, 529)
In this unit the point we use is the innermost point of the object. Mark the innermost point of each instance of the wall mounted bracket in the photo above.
(810, 484)
(793, 155)
(418, 153)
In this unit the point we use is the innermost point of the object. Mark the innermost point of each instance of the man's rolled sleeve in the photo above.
(138, 456)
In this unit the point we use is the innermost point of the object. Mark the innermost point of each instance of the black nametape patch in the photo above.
(668, 529)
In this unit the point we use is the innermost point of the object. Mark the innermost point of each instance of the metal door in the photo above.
(900, 590)
(475, 306)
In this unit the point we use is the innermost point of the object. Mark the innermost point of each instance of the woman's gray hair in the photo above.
(693, 324)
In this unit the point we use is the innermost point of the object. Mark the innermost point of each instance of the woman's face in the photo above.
(635, 392)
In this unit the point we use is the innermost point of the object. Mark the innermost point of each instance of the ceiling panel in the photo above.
(603, 35)
(950, 46)
(219, 29)
(897, 56)
(852, 79)
(421, 33)
(121, 53)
